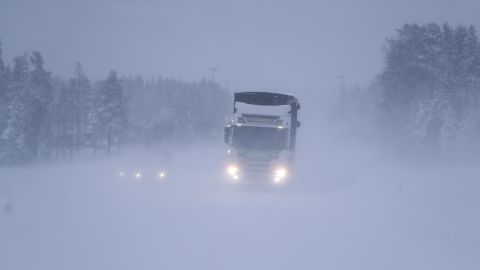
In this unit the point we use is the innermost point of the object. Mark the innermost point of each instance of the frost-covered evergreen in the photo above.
(81, 99)
(4, 81)
(428, 93)
(430, 82)
(166, 109)
(112, 114)
(43, 116)
(63, 125)
(16, 136)
(40, 130)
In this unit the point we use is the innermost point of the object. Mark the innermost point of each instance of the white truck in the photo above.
(261, 146)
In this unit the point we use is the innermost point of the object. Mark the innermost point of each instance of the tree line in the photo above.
(44, 117)
(428, 93)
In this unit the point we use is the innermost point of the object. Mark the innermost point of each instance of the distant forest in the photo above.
(43, 117)
(428, 93)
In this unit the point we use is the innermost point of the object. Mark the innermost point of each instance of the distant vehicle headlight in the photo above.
(162, 174)
(138, 175)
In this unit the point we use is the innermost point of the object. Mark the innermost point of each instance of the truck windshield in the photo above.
(260, 138)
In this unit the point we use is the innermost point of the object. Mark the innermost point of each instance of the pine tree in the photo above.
(3, 77)
(64, 127)
(112, 113)
(80, 91)
(431, 82)
(4, 82)
(93, 129)
(42, 97)
(15, 137)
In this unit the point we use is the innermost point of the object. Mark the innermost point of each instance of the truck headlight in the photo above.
(279, 174)
(232, 170)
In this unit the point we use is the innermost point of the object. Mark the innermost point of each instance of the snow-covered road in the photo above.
(337, 215)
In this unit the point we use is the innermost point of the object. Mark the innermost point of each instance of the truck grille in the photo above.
(256, 169)
(255, 118)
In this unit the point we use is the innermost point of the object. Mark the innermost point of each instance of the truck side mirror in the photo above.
(299, 124)
(226, 134)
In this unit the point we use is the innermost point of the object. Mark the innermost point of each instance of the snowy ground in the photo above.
(340, 212)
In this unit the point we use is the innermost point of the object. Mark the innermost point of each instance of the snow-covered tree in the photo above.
(165, 109)
(431, 82)
(4, 83)
(112, 112)
(80, 98)
(41, 114)
(64, 123)
(42, 96)
(15, 144)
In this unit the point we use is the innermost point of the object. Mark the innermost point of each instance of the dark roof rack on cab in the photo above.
(264, 98)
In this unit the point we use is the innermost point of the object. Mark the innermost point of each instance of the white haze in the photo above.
(352, 203)
(346, 208)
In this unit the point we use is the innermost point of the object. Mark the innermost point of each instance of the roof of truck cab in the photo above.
(264, 98)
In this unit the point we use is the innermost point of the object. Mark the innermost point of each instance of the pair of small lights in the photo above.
(139, 175)
(136, 175)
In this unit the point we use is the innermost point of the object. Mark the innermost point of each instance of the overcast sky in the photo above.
(257, 45)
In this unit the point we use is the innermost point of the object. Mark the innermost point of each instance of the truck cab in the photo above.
(261, 146)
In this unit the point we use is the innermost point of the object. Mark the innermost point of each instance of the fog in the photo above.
(356, 199)
(345, 210)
